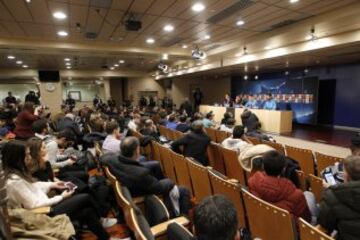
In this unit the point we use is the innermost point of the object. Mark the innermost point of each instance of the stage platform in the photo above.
(321, 134)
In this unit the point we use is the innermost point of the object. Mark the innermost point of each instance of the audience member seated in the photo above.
(68, 123)
(23, 191)
(236, 141)
(275, 189)
(215, 218)
(228, 126)
(270, 103)
(24, 121)
(183, 126)
(252, 125)
(227, 115)
(112, 141)
(134, 122)
(337, 170)
(171, 123)
(141, 181)
(208, 121)
(339, 208)
(195, 143)
(150, 130)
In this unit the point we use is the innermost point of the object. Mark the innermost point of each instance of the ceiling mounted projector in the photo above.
(132, 25)
(163, 67)
(197, 54)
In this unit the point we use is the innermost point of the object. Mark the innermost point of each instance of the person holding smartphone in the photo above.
(24, 191)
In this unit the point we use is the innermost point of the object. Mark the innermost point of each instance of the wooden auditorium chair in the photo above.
(302, 180)
(323, 161)
(178, 134)
(182, 171)
(220, 136)
(170, 134)
(233, 168)
(254, 140)
(167, 161)
(109, 176)
(309, 232)
(162, 130)
(266, 221)
(279, 147)
(316, 185)
(211, 133)
(304, 157)
(215, 157)
(200, 179)
(232, 190)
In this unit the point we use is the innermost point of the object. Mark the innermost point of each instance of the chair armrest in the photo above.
(161, 228)
(41, 210)
(138, 200)
(320, 228)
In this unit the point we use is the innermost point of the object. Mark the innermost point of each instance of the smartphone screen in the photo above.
(330, 178)
(70, 186)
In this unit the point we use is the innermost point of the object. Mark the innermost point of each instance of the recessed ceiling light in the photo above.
(294, 1)
(267, 47)
(168, 28)
(121, 61)
(59, 15)
(240, 22)
(150, 40)
(68, 67)
(207, 37)
(256, 77)
(66, 59)
(116, 65)
(246, 77)
(67, 64)
(112, 68)
(19, 62)
(28, 1)
(11, 57)
(62, 33)
(184, 46)
(198, 7)
(308, 37)
(25, 66)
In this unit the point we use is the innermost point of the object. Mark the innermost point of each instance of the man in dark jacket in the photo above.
(183, 126)
(68, 122)
(195, 143)
(339, 208)
(139, 179)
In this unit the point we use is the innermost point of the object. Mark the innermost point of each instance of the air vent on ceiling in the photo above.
(172, 42)
(90, 35)
(287, 22)
(227, 12)
(100, 3)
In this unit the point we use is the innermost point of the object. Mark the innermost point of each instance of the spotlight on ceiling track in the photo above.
(163, 67)
(197, 54)
(245, 51)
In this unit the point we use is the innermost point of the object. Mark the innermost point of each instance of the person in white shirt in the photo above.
(134, 122)
(228, 126)
(237, 141)
(112, 141)
(56, 159)
(23, 191)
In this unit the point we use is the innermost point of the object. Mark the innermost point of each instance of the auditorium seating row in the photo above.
(253, 213)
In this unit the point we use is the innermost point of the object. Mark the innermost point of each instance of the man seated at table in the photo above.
(270, 103)
(251, 103)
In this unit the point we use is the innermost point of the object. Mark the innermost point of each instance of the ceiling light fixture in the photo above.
(184, 46)
(198, 7)
(25, 66)
(11, 57)
(66, 59)
(67, 64)
(112, 68)
(207, 37)
(150, 40)
(256, 77)
(19, 62)
(267, 47)
(245, 51)
(28, 1)
(287, 73)
(59, 15)
(246, 77)
(168, 28)
(240, 22)
(62, 33)
(197, 54)
(294, 1)
(68, 67)
(121, 61)
(116, 65)
(165, 56)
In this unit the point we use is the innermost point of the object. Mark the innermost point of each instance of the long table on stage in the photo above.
(271, 121)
